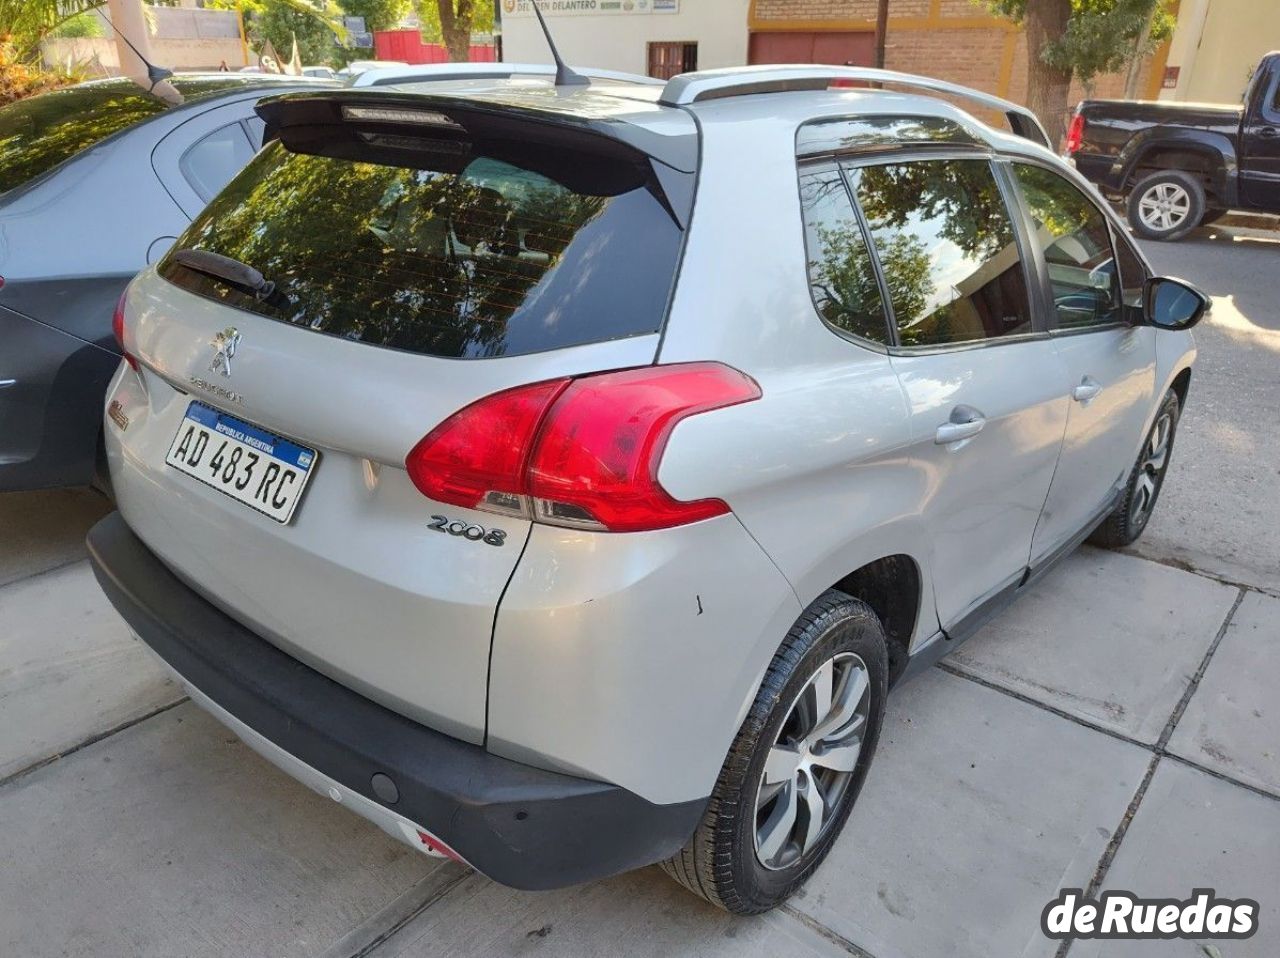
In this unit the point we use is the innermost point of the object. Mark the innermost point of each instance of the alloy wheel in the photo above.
(1165, 206)
(812, 760)
(1155, 455)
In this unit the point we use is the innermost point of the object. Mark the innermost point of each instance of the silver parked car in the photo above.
(96, 181)
(562, 479)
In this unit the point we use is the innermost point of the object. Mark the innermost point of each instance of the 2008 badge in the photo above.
(493, 537)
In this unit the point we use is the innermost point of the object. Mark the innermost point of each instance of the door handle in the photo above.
(965, 423)
(1269, 132)
(1087, 391)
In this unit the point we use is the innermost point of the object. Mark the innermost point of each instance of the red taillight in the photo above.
(581, 452)
(478, 455)
(117, 327)
(1075, 133)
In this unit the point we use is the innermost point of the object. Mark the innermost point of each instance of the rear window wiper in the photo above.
(227, 269)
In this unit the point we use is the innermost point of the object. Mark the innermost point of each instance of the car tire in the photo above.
(1166, 205)
(1127, 522)
(744, 856)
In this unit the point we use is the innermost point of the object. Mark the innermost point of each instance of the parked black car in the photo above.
(1181, 165)
(96, 180)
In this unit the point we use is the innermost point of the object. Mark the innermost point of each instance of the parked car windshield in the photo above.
(471, 257)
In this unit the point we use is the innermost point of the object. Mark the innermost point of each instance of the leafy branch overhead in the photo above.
(1102, 36)
(1081, 39)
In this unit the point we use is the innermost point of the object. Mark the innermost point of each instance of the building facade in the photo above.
(653, 37)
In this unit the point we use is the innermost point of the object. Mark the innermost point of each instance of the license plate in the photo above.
(263, 471)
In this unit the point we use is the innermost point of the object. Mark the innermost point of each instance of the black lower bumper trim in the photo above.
(523, 826)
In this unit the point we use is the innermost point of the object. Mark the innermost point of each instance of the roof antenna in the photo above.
(154, 73)
(564, 74)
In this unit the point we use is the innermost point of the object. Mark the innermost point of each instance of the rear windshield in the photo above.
(38, 133)
(475, 257)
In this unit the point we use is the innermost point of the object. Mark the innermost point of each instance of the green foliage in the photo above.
(24, 23)
(429, 14)
(1100, 35)
(81, 26)
(280, 21)
(378, 14)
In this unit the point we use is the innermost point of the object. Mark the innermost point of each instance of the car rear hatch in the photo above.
(391, 261)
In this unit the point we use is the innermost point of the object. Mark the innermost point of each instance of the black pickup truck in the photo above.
(1181, 165)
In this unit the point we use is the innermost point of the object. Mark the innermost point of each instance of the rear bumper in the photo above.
(522, 826)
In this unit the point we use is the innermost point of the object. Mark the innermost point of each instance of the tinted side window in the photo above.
(1077, 249)
(947, 249)
(214, 159)
(841, 276)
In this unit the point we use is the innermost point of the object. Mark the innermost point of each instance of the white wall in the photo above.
(617, 41)
(1217, 43)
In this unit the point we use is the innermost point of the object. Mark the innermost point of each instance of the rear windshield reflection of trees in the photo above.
(425, 261)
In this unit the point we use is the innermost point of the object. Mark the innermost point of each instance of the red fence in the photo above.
(407, 46)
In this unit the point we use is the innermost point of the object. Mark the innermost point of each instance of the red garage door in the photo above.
(856, 49)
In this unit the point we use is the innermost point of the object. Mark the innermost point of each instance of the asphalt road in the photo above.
(1219, 512)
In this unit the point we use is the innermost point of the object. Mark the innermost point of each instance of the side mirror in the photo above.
(1172, 304)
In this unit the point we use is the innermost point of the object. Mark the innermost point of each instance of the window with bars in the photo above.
(667, 59)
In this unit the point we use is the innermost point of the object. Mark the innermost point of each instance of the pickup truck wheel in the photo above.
(797, 764)
(1166, 205)
(1130, 517)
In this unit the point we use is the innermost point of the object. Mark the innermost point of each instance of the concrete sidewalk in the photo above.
(1118, 728)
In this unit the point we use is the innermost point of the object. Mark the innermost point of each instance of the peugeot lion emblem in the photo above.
(224, 347)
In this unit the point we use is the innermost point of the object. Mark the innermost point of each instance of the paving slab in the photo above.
(1111, 638)
(978, 809)
(43, 530)
(173, 838)
(642, 914)
(1232, 723)
(70, 668)
(1191, 831)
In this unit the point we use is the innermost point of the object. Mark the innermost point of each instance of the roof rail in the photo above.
(689, 88)
(426, 72)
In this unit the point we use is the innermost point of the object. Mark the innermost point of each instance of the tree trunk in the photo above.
(455, 25)
(1135, 62)
(882, 28)
(1048, 87)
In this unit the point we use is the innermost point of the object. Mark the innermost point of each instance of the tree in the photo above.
(1079, 39)
(453, 21)
(280, 22)
(378, 14)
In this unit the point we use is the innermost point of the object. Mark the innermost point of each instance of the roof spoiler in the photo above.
(690, 88)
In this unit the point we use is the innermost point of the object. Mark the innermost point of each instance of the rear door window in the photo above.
(947, 249)
(39, 132)
(842, 278)
(461, 257)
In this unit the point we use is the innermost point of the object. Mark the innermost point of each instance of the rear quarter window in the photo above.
(471, 257)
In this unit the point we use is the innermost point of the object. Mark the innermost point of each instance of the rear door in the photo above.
(1095, 287)
(981, 375)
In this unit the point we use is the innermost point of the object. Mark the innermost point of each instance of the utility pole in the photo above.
(882, 27)
(133, 46)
